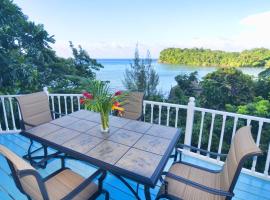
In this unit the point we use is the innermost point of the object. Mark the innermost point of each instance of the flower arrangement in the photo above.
(98, 98)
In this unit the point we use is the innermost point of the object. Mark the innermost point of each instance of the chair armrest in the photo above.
(83, 185)
(199, 186)
(200, 150)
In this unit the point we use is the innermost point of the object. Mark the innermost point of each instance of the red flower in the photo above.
(118, 93)
(82, 101)
(116, 104)
(88, 95)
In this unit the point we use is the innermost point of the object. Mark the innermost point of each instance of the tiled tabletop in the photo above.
(134, 146)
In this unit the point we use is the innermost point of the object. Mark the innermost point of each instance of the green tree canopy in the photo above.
(27, 62)
(205, 57)
(226, 86)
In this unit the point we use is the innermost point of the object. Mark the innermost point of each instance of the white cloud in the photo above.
(260, 20)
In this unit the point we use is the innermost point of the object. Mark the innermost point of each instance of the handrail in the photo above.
(163, 113)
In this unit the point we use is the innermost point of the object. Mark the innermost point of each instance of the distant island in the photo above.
(258, 57)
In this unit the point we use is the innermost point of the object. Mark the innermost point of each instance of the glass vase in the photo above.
(104, 127)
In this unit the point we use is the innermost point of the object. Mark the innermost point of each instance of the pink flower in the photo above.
(118, 93)
(88, 95)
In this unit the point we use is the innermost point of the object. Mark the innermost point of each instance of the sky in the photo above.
(112, 28)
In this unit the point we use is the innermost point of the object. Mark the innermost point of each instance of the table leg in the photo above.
(147, 192)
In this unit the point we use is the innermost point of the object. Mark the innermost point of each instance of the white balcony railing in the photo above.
(199, 125)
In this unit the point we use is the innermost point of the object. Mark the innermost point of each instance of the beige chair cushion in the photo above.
(183, 191)
(133, 105)
(35, 108)
(63, 183)
(242, 145)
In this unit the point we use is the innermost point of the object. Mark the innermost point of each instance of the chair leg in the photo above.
(107, 194)
(42, 159)
(175, 154)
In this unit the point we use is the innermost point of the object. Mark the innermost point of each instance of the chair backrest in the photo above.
(242, 148)
(26, 178)
(35, 109)
(133, 106)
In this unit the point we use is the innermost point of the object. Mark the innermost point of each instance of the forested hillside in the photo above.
(206, 57)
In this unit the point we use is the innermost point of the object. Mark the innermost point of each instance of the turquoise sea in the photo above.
(114, 69)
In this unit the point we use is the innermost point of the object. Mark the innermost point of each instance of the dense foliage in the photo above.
(230, 90)
(206, 57)
(226, 86)
(27, 61)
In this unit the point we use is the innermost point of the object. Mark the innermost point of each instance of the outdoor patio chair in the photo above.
(63, 184)
(133, 106)
(35, 110)
(188, 181)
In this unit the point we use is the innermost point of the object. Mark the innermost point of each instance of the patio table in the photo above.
(132, 149)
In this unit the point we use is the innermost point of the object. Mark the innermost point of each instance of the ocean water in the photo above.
(114, 69)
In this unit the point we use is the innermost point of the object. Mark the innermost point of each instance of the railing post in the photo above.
(45, 89)
(189, 121)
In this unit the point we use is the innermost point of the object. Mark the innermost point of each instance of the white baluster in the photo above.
(53, 108)
(65, 101)
(257, 143)
(266, 169)
(12, 113)
(248, 122)
(59, 106)
(234, 127)
(152, 109)
(78, 100)
(201, 131)
(176, 117)
(159, 114)
(168, 115)
(72, 106)
(221, 135)
(211, 133)
(144, 107)
(5, 113)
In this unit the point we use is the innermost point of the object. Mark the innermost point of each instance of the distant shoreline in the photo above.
(258, 57)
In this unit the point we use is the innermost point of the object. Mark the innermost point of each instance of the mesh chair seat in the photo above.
(35, 109)
(184, 191)
(133, 106)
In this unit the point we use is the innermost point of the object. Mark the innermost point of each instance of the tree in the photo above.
(226, 86)
(65, 73)
(187, 86)
(27, 61)
(22, 45)
(141, 76)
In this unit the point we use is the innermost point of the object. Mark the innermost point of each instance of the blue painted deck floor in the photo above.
(247, 188)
